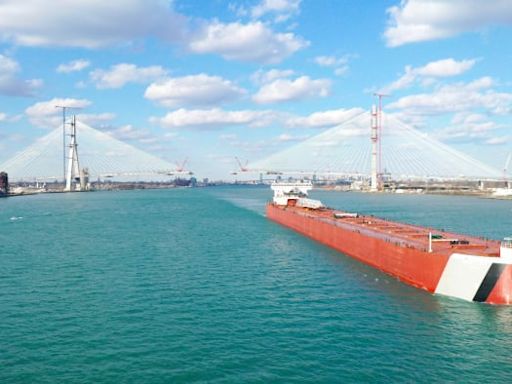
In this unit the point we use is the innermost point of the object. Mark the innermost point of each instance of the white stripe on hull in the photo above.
(463, 275)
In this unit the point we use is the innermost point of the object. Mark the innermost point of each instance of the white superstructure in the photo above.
(502, 192)
(506, 248)
(294, 194)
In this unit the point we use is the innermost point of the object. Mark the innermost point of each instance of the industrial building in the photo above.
(4, 184)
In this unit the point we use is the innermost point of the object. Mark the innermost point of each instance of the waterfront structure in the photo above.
(4, 184)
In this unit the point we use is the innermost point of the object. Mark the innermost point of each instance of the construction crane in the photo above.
(243, 167)
(180, 169)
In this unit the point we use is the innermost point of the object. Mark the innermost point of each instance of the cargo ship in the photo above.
(465, 267)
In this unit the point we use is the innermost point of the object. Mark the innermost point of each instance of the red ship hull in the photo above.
(410, 264)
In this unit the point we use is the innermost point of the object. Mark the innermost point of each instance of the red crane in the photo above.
(243, 167)
(180, 167)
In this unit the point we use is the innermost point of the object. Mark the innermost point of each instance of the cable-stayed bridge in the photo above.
(102, 154)
(343, 150)
(406, 154)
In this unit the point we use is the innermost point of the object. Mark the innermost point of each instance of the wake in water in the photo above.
(253, 199)
(254, 205)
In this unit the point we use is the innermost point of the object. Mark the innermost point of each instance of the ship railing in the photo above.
(404, 243)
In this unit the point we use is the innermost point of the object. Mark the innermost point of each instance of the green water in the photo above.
(179, 286)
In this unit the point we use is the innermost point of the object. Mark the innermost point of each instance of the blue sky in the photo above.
(210, 80)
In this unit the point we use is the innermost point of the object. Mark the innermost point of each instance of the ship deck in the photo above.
(406, 235)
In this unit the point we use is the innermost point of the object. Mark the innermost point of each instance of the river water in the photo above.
(196, 285)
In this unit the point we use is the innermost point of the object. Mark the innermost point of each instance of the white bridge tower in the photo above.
(76, 180)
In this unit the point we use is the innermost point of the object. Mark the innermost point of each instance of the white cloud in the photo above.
(214, 118)
(445, 68)
(11, 84)
(73, 66)
(96, 120)
(119, 75)
(435, 69)
(423, 20)
(324, 119)
(340, 64)
(263, 77)
(404, 81)
(86, 23)
(285, 138)
(198, 89)
(468, 126)
(326, 61)
(498, 140)
(282, 90)
(229, 137)
(458, 97)
(283, 9)
(481, 83)
(130, 133)
(46, 114)
(246, 42)
(3, 116)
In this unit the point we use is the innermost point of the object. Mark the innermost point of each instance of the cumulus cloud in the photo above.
(130, 133)
(324, 119)
(498, 140)
(423, 20)
(286, 138)
(435, 69)
(196, 90)
(119, 75)
(445, 68)
(282, 9)
(11, 84)
(468, 126)
(458, 97)
(45, 113)
(340, 64)
(87, 24)
(96, 120)
(214, 118)
(73, 66)
(263, 77)
(282, 90)
(6, 118)
(253, 42)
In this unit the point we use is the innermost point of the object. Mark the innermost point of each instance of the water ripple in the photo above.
(196, 286)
